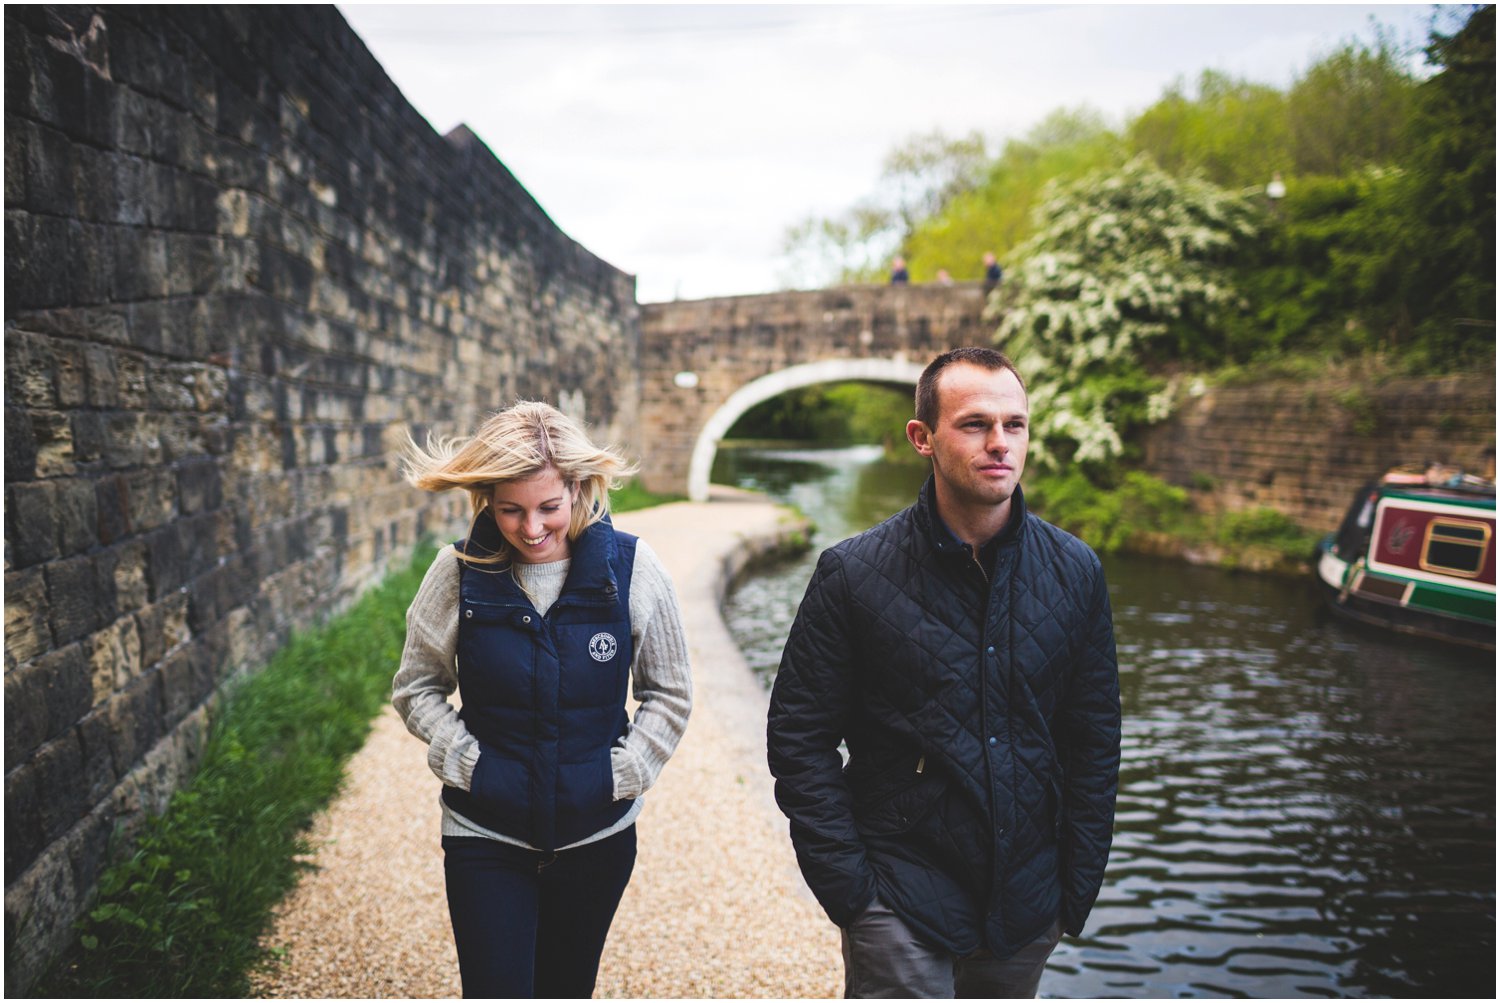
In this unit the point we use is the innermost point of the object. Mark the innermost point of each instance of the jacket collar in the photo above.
(943, 539)
(591, 557)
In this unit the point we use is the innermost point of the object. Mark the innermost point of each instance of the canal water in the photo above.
(1306, 809)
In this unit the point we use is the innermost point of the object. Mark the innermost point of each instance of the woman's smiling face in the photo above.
(534, 515)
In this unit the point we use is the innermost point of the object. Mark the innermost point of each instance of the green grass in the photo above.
(181, 914)
(631, 496)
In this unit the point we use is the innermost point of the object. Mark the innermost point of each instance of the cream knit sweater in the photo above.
(660, 677)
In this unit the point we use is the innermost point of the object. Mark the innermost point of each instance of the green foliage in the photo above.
(1451, 221)
(1124, 271)
(1106, 518)
(996, 215)
(1351, 109)
(831, 414)
(181, 913)
(1232, 133)
(1263, 527)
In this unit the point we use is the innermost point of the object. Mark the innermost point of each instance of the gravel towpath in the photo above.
(716, 907)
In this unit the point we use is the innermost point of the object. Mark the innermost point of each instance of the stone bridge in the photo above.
(704, 363)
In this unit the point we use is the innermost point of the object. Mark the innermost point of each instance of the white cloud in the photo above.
(679, 142)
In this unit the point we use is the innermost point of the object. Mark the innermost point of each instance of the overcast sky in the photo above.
(679, 142)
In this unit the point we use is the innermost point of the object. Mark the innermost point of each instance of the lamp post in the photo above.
(1275, 192)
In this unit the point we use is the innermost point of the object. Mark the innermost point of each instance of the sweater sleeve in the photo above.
(661, 678)
(428, 674)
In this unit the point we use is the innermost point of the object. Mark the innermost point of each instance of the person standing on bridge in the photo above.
(541, 617)
(964, 652)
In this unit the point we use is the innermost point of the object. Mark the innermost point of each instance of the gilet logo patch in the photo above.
(602, 647)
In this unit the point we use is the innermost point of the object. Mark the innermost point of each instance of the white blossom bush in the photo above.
(1125, 267)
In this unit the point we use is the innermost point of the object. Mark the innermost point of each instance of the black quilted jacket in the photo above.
(983, 727)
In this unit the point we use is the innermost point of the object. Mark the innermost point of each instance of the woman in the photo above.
(539, 617)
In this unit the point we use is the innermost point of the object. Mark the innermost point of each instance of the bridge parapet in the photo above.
(705, 362)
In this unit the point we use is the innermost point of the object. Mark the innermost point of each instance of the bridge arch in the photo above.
(874, 370)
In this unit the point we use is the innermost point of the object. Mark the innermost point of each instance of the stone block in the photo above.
(129, 568)
(20, 445)
(41, 902)
(91, 263)
(27, 629)
(132, 381)
(166, 567)
(43, 699)
(103, 379)
(77, 515)
(30, 370)
(131, 179)
(50, 165)
(74, 607)
(54, 443)
(152, 495)
(162, 625)
(114, 658)
(37, 269)
(70, 373)
(23, 822)
(140, 265)
(198, 486)
(186, 683)
(99, 776)
(30, 523)
(135, 721)
(58, 767)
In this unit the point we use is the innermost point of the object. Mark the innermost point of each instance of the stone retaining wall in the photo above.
(1305, 448)
(238, 265)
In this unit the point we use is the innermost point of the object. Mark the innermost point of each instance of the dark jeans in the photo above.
(532, 924)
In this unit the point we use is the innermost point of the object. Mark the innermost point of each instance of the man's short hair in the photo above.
(927, 385)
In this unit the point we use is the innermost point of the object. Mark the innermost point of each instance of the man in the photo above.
(992, 273)
(964, 652)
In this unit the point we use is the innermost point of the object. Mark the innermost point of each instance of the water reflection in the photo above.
(1305, 809)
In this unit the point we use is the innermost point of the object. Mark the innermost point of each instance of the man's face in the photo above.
(978, 445)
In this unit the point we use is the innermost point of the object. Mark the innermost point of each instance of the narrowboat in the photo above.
(1416, 553)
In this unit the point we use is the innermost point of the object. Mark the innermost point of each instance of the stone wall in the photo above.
(730, 341)
(1305, 448)
(238, 265)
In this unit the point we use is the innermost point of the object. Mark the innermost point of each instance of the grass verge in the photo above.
(181, 915)
(631, 496)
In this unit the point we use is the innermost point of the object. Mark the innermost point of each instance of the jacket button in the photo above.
(526, 619)
(468, 613)
(994, 741)
(990, 650)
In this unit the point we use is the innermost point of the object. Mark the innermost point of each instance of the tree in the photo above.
(1233, 132)
(1126, 271)
(1352, 108)
(996, 214)
(929, 170)
(919, 178)
(1452, 255)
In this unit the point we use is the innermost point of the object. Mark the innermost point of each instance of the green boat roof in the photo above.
(1482, 501)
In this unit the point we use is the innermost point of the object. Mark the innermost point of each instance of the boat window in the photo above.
(1456, 547)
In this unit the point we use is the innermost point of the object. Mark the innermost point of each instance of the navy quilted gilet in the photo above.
(545, 695)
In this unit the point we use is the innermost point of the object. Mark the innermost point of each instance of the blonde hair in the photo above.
(516, 444)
